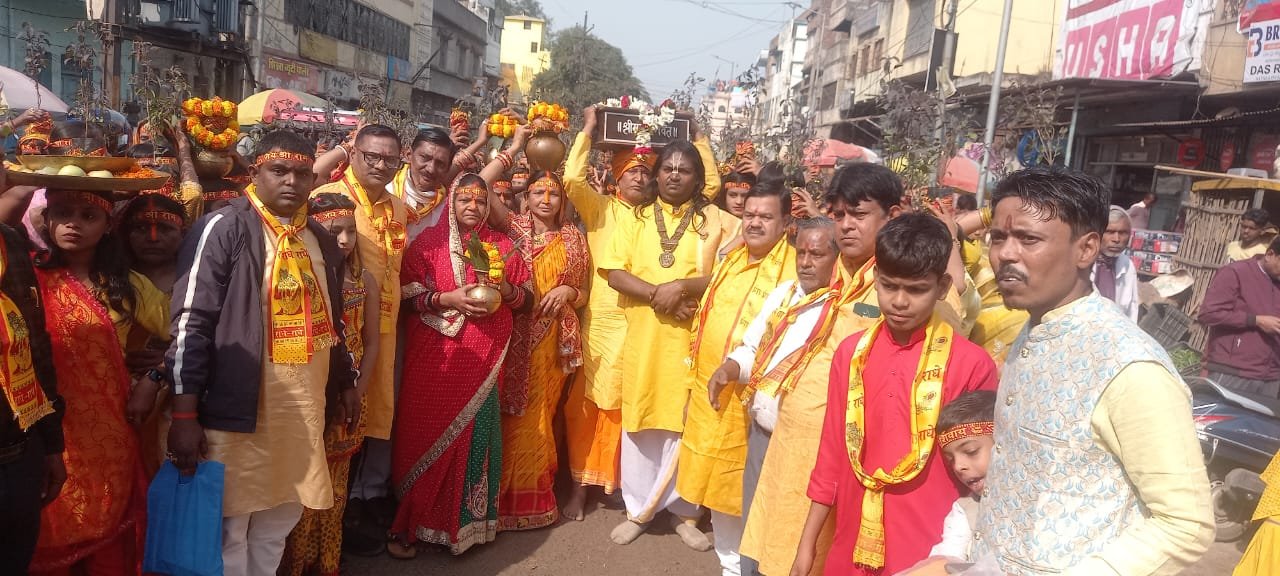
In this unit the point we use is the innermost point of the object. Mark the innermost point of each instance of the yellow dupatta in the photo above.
(21, 389)
(784, 376)
(299, 314)
(392, 236)
(769, 272)
(926, 402)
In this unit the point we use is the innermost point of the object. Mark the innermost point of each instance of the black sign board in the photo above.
(618, 128)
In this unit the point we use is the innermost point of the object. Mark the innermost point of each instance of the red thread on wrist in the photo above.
(183, 416)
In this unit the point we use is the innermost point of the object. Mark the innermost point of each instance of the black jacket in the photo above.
(19, 283)
(217, 323)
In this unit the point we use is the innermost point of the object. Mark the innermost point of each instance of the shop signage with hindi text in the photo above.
(278, 72)
(1262, 52)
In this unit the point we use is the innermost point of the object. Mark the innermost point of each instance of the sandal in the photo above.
(401, 552)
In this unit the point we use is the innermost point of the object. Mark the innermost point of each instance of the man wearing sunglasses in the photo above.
(381, 224)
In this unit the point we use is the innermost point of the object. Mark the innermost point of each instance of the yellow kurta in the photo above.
(996, 327)
(385, 267)
(603, 323)
(652, 360)
(284, 460)
(713, 450)
(781, 502)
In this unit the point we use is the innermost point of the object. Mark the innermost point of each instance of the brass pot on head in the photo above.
(545, 151)
(210, 164)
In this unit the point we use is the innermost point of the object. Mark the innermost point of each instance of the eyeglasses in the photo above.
(373, 160)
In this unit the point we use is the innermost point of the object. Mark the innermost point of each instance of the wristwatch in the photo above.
(157, 376)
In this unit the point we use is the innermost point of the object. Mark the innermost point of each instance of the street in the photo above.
(583, 549)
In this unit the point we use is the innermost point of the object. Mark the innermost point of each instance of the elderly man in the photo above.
(1114, 275)
(779, 333)
(1096, 468)
(713, 449)
(1242, 311)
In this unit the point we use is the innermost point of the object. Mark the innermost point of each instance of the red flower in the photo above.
(667, 103)
(626, 101)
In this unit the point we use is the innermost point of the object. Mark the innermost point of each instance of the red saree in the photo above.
(446, 450)
(102, 506)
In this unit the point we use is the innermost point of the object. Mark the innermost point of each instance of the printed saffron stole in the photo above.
(926, 402)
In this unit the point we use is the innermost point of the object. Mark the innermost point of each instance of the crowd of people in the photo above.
(377, 340)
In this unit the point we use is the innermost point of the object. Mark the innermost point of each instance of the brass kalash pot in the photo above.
(545, 151)
(488, 294)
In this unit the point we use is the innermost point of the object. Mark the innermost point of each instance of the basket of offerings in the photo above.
(89, 173)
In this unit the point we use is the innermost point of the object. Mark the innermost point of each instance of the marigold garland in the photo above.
(545, 116)
(212, 123)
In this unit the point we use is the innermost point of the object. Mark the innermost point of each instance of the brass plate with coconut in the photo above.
(86, 163)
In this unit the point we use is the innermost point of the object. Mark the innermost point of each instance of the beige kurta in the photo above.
(282, 461)
(385, 267)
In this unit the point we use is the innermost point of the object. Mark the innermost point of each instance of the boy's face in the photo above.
(968, 459)
(907, 303)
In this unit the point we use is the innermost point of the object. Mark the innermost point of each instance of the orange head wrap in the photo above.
(624, 160)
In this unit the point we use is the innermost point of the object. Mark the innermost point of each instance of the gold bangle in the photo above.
(986, 216)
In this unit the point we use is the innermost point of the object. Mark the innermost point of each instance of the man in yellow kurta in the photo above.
(593, 413)
(660, 262)
(862, 199)
(713, 450)
(380, 221)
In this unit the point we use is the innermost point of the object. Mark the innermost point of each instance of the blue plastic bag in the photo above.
(184, 522)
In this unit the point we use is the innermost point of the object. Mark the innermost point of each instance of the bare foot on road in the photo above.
(575, 507)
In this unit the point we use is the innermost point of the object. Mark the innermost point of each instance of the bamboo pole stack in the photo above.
(1212, 221)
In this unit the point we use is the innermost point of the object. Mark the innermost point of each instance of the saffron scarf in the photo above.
(401, 187)
(769, 272)
(784, 376)
(926, 402)
(392, 236)
(299, 315)
(19, 376)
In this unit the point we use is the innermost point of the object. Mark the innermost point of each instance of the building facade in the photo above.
(524, 53)
(782, 67)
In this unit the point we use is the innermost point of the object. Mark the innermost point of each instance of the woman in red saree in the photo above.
(91, 301)
(446, 450)
(556, 251)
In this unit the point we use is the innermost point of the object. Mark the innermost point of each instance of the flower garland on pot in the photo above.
(651, 118)
(212, 123)
(545, 116)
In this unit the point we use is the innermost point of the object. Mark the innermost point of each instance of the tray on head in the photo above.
(87, 183)
(86, 163)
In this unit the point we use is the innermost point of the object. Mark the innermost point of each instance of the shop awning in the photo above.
(1241, 118)
(1092, 91)
(1220, 181)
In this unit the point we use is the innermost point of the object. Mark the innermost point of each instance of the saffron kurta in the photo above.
(914, 510)
(774, 525)
(384, 263)
(652, 361)
(284, 460)
(713, 449)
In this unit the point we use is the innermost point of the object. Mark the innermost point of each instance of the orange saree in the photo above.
(99, 515)
(529, 457)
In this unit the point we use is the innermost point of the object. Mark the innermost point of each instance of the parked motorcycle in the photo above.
(1239, 433)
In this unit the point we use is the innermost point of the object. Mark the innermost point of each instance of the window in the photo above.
(528, 25)
(533, 48)
(877, 56)
(828, 97)
(866, 63)
(919, 27)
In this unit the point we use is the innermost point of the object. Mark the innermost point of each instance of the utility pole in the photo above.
(994, 103)
(585, 14)
(944, 80)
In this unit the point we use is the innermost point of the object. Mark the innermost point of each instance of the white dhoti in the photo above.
(649, 460)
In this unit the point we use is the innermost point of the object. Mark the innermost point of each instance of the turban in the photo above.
(624, 160)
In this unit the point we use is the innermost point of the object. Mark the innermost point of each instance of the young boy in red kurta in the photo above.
(878, 464)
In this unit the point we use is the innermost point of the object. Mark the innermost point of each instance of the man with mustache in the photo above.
(1114, 274)
(1096, 468)
(779, 334)
(381, 222)
(713, 449)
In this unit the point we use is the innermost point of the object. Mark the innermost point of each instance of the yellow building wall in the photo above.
(517, 54)
(1033, 34)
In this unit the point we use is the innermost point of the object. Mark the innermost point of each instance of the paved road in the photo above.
(584, 549)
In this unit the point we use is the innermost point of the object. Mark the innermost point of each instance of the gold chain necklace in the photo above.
(669, 243)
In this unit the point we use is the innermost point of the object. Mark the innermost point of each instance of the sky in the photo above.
(666, 40)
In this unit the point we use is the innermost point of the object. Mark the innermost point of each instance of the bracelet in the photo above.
(183, 416)
(435, 301)
(346, 153)
(189, 189)
(577, 294)
(506, 159)
(986, 217)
